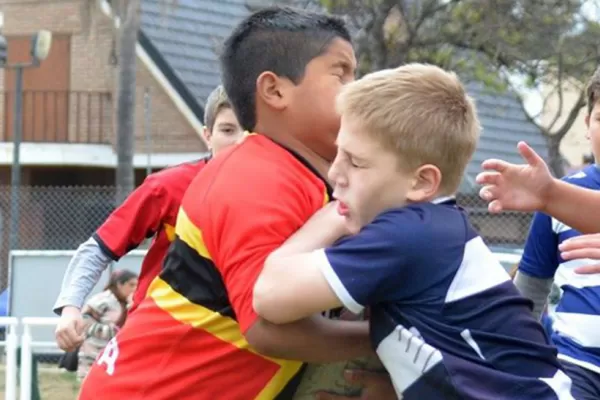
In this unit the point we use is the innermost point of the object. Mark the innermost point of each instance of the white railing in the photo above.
(27, 344)
(10, 348)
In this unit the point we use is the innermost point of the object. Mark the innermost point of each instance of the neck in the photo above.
(320, 164)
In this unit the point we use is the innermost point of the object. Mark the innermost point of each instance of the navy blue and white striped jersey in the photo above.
(577, 318)
(446, 321)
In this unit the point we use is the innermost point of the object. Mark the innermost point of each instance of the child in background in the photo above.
(150, 211)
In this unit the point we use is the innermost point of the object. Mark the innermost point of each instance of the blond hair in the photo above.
(421, 112)
(215, 102)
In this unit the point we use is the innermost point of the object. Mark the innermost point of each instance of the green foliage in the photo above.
(477, 38)
(547, 42)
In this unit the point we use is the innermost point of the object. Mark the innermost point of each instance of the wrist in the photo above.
(551, 192)
(70, 311)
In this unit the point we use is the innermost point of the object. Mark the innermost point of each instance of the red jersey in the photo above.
(186, 340)
(151, 210)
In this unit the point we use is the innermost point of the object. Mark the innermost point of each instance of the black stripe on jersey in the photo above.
(196, 278)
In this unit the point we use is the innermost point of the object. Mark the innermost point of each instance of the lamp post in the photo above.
(40, 47)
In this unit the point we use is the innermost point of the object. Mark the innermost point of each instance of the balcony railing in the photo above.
(51, 116)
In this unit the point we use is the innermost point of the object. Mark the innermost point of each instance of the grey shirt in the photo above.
(83, 273)
(535, 289)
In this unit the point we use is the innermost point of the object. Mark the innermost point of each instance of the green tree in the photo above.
(552, 46)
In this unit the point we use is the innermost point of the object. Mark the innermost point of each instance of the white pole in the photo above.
(26, 362)
(26, 353)
(11, 346)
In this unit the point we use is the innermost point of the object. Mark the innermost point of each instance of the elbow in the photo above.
(264, 302)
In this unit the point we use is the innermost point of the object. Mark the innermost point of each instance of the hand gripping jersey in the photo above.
(446, 321)
(151, 210)
(576, 321)
(186, 339)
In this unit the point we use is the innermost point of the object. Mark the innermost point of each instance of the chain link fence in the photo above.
(50, 218)
(60, 218)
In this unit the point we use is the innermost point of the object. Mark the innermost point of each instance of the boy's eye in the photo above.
(355, 164)
(228, 131)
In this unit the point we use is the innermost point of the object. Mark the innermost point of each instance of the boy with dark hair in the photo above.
(150, 210)
(196, 335)
(577, 316)
(446, 320)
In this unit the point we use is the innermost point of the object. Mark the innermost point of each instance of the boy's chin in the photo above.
(352, 226)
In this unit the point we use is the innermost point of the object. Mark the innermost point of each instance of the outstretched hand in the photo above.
(523, 187)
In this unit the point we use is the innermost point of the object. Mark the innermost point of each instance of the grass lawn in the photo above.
(54, 384)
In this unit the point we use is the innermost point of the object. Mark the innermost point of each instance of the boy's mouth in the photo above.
(343, 209)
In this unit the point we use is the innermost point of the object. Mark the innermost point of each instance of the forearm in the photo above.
(574, 206)
(315, 339)
(312, 236)
(83, 273)
(535, 289)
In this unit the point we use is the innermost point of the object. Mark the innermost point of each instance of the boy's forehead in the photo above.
(342, 51)
(351, 138)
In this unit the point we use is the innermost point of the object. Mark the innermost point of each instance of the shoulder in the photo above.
(422, 221)
(255, 171)
(587, 177)
(184, 172)
(427, 235)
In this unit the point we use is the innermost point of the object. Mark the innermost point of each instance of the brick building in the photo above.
(68, 135)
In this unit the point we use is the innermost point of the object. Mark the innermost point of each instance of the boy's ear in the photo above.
(425, 184)
(273, 90)
(587, 125)
(207, 135)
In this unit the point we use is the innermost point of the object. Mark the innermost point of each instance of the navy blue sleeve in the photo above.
(380, 263)
(540, 257)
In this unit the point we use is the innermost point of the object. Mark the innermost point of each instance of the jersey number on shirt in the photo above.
(109, 356)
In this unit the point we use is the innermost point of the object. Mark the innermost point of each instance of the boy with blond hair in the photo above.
(446, 320)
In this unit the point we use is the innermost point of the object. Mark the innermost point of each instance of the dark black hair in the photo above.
(282, 40)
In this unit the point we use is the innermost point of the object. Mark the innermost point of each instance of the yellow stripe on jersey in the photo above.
(190, 234)
(170, 232)
(224, 328)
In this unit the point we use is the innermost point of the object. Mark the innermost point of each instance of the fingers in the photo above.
(588, 269)
(529, 155)
(586, 246)
(495, 165)
(490, 194)
(581, 242)
(67, 338)
(488, 178)
(592, 253)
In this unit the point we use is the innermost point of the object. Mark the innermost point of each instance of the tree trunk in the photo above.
(126, 95)
(555, 160)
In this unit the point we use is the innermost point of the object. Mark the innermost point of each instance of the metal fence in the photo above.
(60, 218)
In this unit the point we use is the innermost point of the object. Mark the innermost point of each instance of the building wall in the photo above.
(91, 69)
(575, 144)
